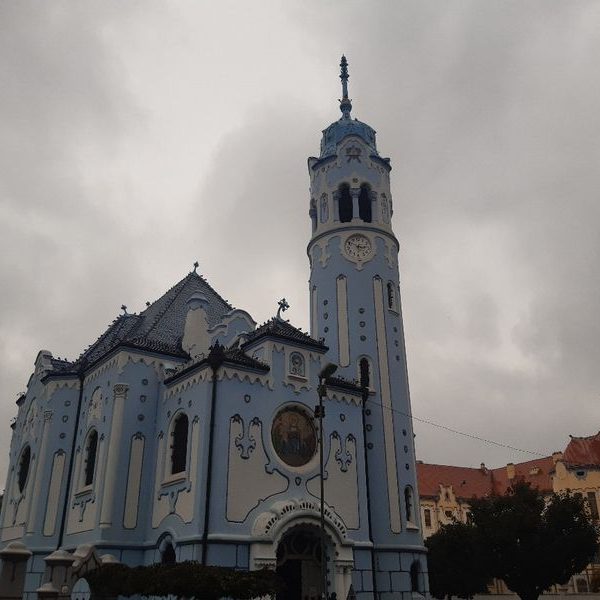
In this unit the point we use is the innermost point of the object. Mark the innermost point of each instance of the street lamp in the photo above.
(324, 375)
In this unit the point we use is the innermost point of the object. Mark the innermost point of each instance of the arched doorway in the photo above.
(299, 563)
(81, 590)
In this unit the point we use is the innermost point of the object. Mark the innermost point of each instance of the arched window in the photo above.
(365, 372)
(168, 555)
(91, 449)
(391, 295)
(408, 503)
(415, 577)
(24, 464)
(179, 438)
(364, 203)
(345, 203)
(297, 364)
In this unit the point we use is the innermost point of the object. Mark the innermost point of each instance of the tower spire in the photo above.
(345, 102)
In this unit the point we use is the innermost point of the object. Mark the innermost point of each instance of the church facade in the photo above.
(187, 432)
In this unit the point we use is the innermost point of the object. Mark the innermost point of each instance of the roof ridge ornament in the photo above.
(345, 102)
(283, 306)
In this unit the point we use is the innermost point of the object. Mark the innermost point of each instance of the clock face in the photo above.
(358, 246)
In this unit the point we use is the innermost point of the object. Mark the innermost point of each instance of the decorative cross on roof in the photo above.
(283, 306)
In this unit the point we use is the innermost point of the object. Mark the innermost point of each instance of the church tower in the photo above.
(355, 307)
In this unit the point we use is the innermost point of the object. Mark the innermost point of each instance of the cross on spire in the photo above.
(345, 102)
(283, 306)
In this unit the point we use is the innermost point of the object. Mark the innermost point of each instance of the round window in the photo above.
(294, 437)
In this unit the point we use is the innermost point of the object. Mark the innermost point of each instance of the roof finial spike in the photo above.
(196, 265)
(345, 102)
(283, 306)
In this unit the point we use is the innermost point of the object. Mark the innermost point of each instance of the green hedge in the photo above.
(185, 580)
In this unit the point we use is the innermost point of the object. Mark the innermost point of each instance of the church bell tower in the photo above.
(355, 307)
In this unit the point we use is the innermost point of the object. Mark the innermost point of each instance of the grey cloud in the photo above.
(488, 111)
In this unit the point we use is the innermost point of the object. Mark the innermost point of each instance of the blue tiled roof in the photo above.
(280, 329)
(346, 126)
(160, 327)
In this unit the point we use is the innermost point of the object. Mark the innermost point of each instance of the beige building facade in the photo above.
(445, 491)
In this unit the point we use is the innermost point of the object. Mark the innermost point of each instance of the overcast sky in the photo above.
(137, 137)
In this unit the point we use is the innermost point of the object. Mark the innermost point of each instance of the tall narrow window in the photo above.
(427, 515)
(313, 214)
(345, 203)
(91, 449)
(391, 296)
(24, 464)
(415, 577)
(365, 376)
(591, 498)
(364, 203)
(168, 556)
(408, 503)
(179, 444)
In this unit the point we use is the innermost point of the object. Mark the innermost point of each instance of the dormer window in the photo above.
(364, 203)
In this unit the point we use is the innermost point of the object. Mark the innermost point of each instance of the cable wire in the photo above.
(456, 431)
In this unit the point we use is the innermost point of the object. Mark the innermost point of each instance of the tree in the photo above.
(455, 563)
(183, 580)
(533, 542)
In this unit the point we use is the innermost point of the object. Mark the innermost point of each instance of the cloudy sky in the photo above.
(137, 137)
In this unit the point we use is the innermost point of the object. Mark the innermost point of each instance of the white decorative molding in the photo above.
(188, 381)
(386, 403)
(134, 479)
(52, 507)
(271, 523)
(342, 321)
(116, 428)
(248, 484)
(341, 485)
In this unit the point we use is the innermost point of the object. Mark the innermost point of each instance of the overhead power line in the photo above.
(457, 432)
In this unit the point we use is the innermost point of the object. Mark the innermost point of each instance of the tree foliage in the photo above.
(533, 542)
(184, 580)
(455, 563)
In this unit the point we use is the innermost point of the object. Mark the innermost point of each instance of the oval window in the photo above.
(294, 437)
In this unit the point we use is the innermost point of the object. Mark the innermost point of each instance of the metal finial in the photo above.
(283, 306)
(124, 308)
(345, 102)
(196, 265)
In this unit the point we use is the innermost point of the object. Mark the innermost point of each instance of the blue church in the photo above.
(188, 432)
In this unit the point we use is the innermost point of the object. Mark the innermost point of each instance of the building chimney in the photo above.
(556, 457)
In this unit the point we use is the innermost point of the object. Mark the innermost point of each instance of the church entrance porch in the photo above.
(287, 539)
(299, 564)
